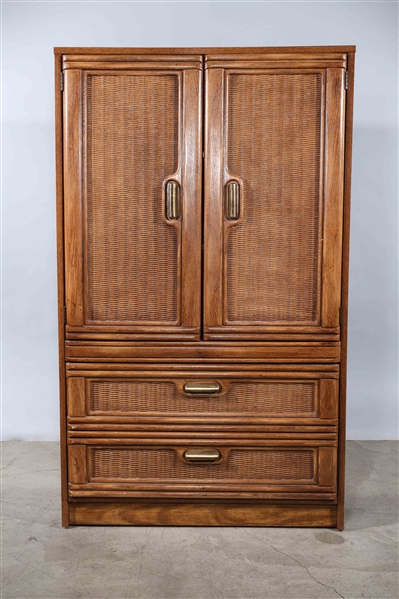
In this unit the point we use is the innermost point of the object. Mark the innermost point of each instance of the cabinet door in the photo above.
(273, 199)
(132, 197)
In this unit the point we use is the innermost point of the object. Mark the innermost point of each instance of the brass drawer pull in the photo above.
(202, 455)
(233, 201)
(172, 200)
(202, 387)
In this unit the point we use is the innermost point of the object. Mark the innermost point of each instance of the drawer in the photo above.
(210, 467)
(223, 397)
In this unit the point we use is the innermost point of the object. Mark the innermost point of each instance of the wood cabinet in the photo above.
(203, 232)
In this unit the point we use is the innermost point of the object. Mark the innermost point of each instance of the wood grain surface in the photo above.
(218, 51)
(201, 514)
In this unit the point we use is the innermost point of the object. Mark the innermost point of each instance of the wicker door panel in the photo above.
(240, 469)
(134, 139)
(292, 398)
(272, 256)
(273, 277)
(132, 142)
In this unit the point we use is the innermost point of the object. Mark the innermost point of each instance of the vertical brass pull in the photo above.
(172, 200)
(233, 200)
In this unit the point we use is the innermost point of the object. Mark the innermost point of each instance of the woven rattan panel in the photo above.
(165, 464)
(272, 255)
(132, 145)
(264, 399)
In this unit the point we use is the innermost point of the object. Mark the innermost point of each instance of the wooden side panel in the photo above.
(327, 467)
(333, 197)
(329, 390)
(76, 394)
(213, 203)
(73, 209)
(191, 199)
(61, 286)
(201, 514)
(77, 464)
(344, 290)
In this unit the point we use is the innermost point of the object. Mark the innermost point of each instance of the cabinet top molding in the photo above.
(213, 51)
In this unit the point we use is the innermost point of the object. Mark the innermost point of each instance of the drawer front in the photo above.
(99, 467)
(241, 397)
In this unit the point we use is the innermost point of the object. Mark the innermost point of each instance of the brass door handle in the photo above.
(172, 200)
(233, 200)
(202, 387)
(202, 455)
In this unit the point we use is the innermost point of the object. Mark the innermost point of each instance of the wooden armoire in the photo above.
(203, 233)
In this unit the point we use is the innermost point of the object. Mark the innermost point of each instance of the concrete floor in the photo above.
(42, 560)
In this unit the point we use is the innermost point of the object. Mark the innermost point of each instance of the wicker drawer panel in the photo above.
(250, 397)
(280, 398)
(166, 464)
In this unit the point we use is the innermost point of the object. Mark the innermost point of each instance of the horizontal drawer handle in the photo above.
(202, 455)
(202, 387)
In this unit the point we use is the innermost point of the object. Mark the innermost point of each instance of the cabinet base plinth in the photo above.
(201, 514)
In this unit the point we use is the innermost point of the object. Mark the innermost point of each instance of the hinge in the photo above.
(346, 79)
(62, 81)
(65, 316)
(340, 316)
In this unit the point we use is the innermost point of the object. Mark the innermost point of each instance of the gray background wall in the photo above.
(31, 29)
